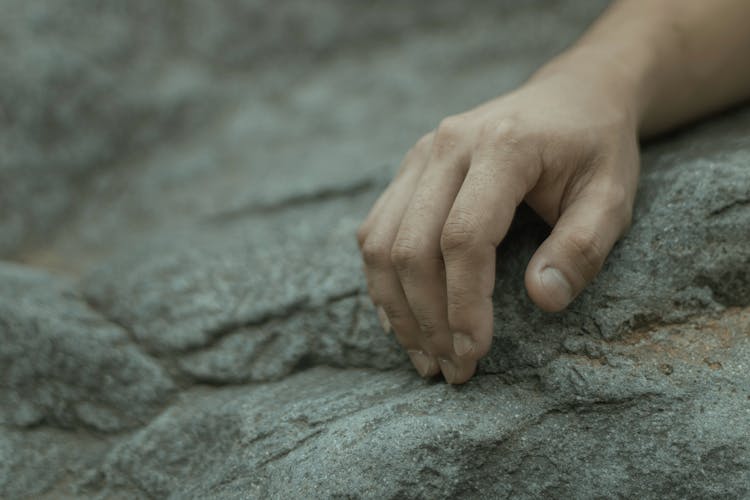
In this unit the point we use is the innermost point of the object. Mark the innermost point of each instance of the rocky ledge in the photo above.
(182, 310)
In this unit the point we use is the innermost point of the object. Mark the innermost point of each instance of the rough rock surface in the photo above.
(182, 310)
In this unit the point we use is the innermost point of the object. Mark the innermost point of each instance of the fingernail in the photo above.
(462, 343)
(448, 369)
(421, 362)
(384, 321)
(555, 284)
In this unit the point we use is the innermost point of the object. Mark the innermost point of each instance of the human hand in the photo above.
(566, 144)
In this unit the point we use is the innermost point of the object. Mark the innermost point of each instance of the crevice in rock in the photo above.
(142, 489)
(645, 322)
(604, 405)
(304, 363)
(300, 306)
(287, 451)
(579, 407)
(322, 195)
(170, 361)
(99, 311)
(730, 206)
(729, 286)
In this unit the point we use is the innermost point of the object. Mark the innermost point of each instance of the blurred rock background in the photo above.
(118, 118)
(181, 306)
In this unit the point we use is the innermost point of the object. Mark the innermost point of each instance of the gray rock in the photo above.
(339, 334)
(155, 114)
(43, 462)
(586, 430)
(198, 171)
(63, 365)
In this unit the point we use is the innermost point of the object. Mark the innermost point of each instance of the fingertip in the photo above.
(557, 288)
(570, 258)
(470, 318)
(424, 363)
(456, 373)
(548, 288)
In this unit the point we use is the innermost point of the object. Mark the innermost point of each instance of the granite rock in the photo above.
(66, 366)
(182, 308)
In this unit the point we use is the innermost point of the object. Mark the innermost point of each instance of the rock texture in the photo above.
(182, 311)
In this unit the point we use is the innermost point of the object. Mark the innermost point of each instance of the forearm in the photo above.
(671, 61)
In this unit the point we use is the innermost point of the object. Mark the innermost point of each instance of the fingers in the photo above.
(574, 253)
(376, 237)
(416, 252)
(413, 164)
(496, 183)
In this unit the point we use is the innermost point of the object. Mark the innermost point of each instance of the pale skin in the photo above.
(566, 144)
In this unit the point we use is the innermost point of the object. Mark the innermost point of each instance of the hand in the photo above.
(566, 144)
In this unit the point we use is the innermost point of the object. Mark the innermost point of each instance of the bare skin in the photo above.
(566, 143)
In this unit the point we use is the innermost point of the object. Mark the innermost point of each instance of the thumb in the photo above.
(573, 254)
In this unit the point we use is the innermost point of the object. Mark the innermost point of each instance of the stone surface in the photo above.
(586, 428)
(185, 316)
(64, 365)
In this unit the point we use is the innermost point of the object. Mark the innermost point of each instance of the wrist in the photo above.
(620, 77)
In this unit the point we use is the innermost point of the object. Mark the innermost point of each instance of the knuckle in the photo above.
(424, 143)
(447, 136)
(459, 233)
(503, 134)
(393, 311)
(588, 246)
(616, 200)
(375, 253)
(458, 298)
(450, 126)
(614, 195)
(419, 152)
(619, 204)
(427, 326)
(455, 238)
(404, 255)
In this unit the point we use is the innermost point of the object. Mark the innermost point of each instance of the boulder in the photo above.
(182, 307)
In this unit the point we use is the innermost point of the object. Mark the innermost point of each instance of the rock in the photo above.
(78, 94)
(64, 365)
(340, 334)
(35, 461)
(139, 126)
(191, 177)
(588, 430)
